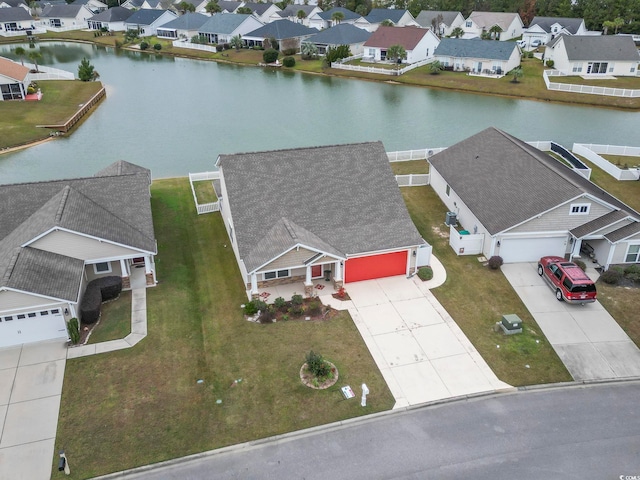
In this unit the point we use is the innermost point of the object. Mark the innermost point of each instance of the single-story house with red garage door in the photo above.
(299, 214)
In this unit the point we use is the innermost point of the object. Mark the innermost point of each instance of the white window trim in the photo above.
(447, 190)
(576, 209)
(636, 254)
(288, 270)
(95, 270)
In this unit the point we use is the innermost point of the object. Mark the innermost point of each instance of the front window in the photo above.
(469, 24)
(633, 254)
(448, 191)
(276, 274)
(580, 208)
(102, 267)
(597, 67)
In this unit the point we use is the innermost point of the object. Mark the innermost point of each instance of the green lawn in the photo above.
(144, 405)
(115, 320)
(411, 166)
(618, 82)
(622, 304)
(205, 192)
(477, 297)
(627, 191)
(622, 161)
(59, 102)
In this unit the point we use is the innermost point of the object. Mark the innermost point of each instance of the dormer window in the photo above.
(580, 209)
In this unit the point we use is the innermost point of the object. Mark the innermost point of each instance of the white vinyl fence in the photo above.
(380, 71)
(194, 46)
(591, 151)
(48, 73)
(590, 89)
(407, 155)
(468, 244)
(199, 177)
(413, 180)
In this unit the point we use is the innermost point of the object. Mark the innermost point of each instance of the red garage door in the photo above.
(375, 266)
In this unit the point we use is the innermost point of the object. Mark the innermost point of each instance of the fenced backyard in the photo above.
(196, 180)
(343, 65)
(593, 152)
(589, 89)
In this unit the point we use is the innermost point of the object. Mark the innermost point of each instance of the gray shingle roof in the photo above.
(114, 14)
(475, 48)
(188, 21)
(505, 181)
(14, 14)
(624, 232)
(425, 17)
(145, 16)
(599, 223)
(113, 207)
(348, 14)
(292, 10)
(228, 5)
(377, 15)
(342, 199)
(258, 8)
(224, 23)
(571, 25)
(341, 34)
(489, 19)
(61, 11)
(605, 47)
(281, 29)
(15, 3)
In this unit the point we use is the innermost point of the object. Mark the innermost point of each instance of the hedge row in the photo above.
(98, 291)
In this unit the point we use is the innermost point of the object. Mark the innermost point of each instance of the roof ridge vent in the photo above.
(63, 201)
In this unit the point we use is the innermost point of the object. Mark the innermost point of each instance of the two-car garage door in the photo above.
(514, 250)
(375, 266)
(32, 327)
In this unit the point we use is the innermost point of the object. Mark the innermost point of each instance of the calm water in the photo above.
(175, 116)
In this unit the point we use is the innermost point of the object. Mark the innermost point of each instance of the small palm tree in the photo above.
(213, 7)
(236, 42)
(495, 32)
(457, 32)
(337, 17)
(396, 52)
(435, 67)
(516, 73)
(34, 57)
(21, 53)
(301, 15)
(308, 50)
(387, 23)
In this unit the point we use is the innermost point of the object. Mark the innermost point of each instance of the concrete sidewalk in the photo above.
(421, 352)
(586, 338)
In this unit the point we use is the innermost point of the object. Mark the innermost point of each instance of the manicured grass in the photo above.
(205, 192)
(477, 297)
(385, 66)
(143, 405)
(622, 304)
(626, 191)
(412, 166)
(115, 320)
(59, 102)
(622, 161)
(618, 82)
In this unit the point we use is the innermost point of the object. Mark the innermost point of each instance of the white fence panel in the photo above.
(208, 207)
(413, 180)
(198, 177)
(194, 46)
(588, 89)
(589, 152)
(407, 155)
(465, 244)
(543, 145)
(49, 73)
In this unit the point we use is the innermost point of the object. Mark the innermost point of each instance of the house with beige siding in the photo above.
(524, 204)
(57, 236)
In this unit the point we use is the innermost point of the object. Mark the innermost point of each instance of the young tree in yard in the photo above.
(397, 52)
(236, 42)
(308, 50)
(387, 23)
(244, 10)
(435, 67)
(20, 52)
(337, 17)
(495, 32)
(516, 73)
(457, 32)
(34, 57)
(85, 70)
(185, 7)
(301, 15)
(212, 7)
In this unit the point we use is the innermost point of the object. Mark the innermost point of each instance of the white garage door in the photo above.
(514, 250)
(32, 327)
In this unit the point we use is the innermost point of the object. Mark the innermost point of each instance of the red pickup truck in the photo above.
(567, 279)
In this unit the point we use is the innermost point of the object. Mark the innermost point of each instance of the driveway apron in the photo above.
(421, 352)
(586, 338)
(31, 379)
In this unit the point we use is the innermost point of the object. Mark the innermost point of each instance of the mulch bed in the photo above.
(307, 378)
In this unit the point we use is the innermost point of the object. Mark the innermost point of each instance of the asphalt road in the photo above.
(586, 432)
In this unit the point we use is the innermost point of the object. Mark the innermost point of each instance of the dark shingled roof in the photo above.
(348, 14)
(281, 29)
(425, 17)
(475, 48)
(501, 179)
(114, 14)
(599, 223)
(258, 8)
(224, 23)
(229, 5)
(292, 10)
(603, 47)
(61, 11)
(571, 25)
(378, 15)
(14, 14)
(624, 232)
(145, 16)
(341, 199)
(341, 34)
(188, 21)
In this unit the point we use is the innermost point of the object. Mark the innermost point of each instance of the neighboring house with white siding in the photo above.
(479, 56)
(341, 34)
(147, 21)
(15, 19)
(262, 11)
(185, 26)
(112, 19)
(526, 204)
(65, 17)
(296, 13)
(545, 29)
(322, 20)
(419, 43)
(14, 80)
(398, 17)
(509, 24)
(442, 22)
(59, 235)
(222, 27)
(590, 55)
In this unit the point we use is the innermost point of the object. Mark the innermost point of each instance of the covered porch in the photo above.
(319, 288)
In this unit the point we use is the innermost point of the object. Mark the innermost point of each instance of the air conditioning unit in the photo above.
(451, 218)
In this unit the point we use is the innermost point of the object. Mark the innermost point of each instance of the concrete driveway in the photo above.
(31, 379)
(586, 338)
(421, 352)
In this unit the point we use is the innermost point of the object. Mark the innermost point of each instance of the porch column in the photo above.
(308, 284)
(126, 281)
(147, 271)
(254, 284)
(577, 245)
(337, 276)
(72, 311)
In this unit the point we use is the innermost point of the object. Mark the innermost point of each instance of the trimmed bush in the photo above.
(144, 45)
(252, 307)
(280, 303)
(317, 365)
(157, 47)
(289, 62)
(296, 299)
(267, 315)
(425, 273)
(219, 47)
(73, 327)
(611, 276)
(110, 287)
(270, 55)
(226, 46)
(495, 262)
(289, 51)
(315, 308)
(90, 304)
(581, 264)
(632, 272)
(550, 63)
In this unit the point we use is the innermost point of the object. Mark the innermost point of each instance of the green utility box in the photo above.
(511, 324)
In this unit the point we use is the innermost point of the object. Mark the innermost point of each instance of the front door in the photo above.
(316, 271)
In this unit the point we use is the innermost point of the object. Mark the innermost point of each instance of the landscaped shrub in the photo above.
(550, 63)
(581, 264)
(73, 327)
(31, 90)
(314, 308)
(289, 62)
(317, 365)
(157, 47)
(252, 307)
(267, 315)
(296, 310)
(289, 51)
(110, 287)
(611, 276)
(296, 299)
(280, 303)
(144, 45)
(90, 304)
(226, 46)
(495, 262)
(425, 273)
(270, 55)
(632, 272)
